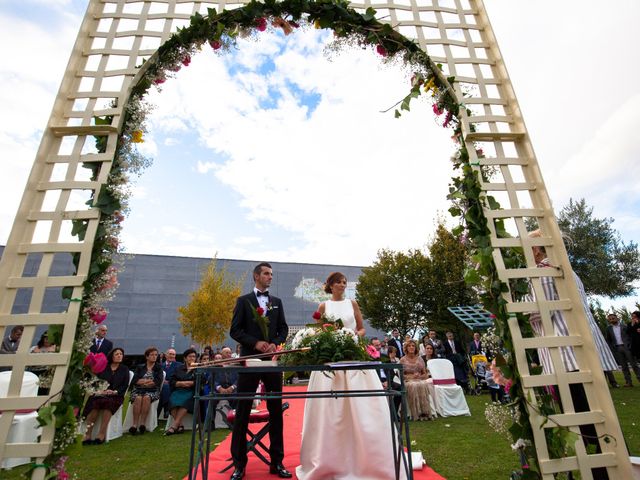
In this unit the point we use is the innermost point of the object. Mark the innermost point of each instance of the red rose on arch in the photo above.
(261, 24)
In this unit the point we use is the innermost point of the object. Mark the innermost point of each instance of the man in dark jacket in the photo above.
(101, 344)
(620, 344)
(258, 324)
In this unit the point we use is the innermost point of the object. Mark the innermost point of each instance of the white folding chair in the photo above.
(151, 422)
(449, 397)
(24, 427)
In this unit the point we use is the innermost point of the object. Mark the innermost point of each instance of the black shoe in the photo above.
(237, 474)
(280, 471)
(142, 429)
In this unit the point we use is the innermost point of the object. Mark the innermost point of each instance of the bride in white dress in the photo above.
(347, 438)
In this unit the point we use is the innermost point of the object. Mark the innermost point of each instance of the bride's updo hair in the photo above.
(334, 277)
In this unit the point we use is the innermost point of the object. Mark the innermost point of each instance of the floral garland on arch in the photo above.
(220, 30)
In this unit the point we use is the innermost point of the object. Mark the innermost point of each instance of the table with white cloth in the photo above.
(344, 401)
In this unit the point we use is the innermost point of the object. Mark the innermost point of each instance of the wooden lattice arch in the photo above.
(457, 34)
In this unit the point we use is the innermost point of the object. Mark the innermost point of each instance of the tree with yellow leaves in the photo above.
(207, 316)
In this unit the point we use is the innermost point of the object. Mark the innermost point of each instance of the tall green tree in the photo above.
(207, 316)
(449, 258)
(412, 291)
(393, 292)
(605, 264)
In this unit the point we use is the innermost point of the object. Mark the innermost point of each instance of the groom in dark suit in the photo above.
(247, 331)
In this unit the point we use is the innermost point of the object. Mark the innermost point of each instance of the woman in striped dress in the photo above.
(607, 360)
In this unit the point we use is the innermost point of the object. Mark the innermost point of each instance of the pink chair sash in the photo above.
(444, 381)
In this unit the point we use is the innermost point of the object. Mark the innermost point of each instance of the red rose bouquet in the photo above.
(260, 317)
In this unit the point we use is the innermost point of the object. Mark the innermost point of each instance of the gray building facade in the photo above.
(144, 311)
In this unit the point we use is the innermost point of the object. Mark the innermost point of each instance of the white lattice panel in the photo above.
(118, 35)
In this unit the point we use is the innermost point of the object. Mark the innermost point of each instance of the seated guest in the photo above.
(415, 379)
(208, 386)
(429, 353)
(225, 382)
(436, 343)
(182, 384)
(145, 389)
(392, 353)
(169, 366)
(43, 345)
(107, 402)
(43, 372)
(11, 343)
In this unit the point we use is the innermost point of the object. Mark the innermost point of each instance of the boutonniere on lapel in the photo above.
(260, 317)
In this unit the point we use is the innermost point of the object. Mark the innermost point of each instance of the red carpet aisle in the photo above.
(257, 470)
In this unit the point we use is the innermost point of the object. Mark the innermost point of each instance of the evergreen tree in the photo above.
(605, 264)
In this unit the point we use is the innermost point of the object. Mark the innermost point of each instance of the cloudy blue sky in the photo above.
(279, 151)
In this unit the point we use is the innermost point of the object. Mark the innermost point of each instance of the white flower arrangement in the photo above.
(301, 335)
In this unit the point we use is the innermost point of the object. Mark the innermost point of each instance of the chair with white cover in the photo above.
(187, 422)
(24, 427)
(449, 397)
(151, 423)
(114, 429)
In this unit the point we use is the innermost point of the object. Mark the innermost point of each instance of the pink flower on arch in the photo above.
(448, 119)
(215, 44)
(381, 50)
(437, 110)
(96, 362)
(97, 315)
(186, 60)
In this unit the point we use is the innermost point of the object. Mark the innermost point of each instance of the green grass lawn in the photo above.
(458, 448)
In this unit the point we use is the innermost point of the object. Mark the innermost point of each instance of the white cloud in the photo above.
(606, 167)
(345, 180)
(205, 167)
(248, 240)
(29, 75)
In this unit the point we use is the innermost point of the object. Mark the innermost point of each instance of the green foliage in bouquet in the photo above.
(328, 344)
